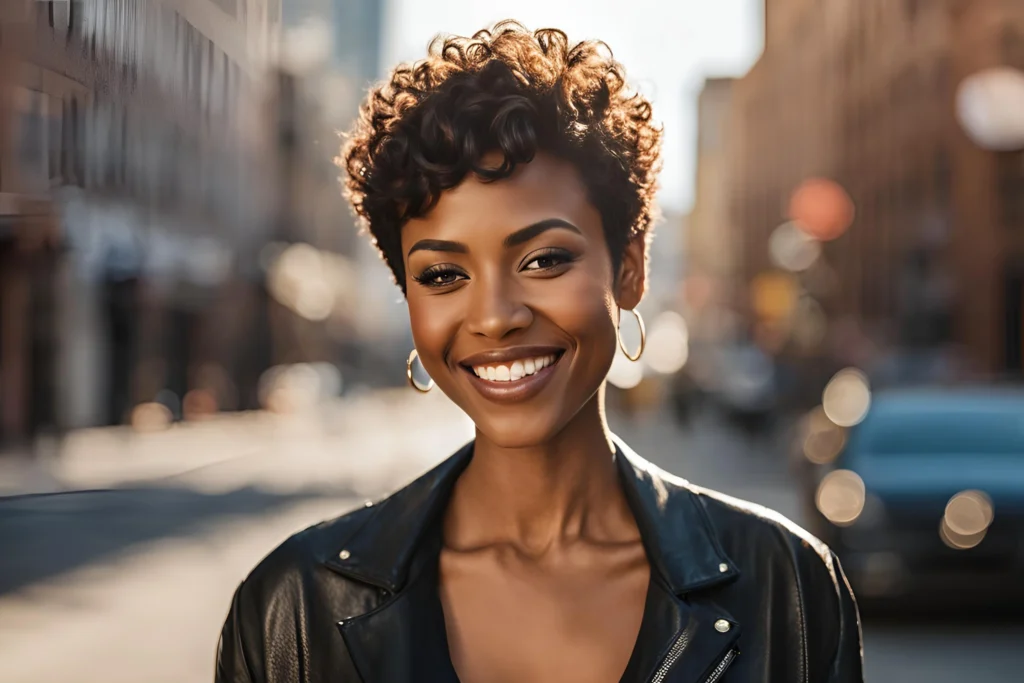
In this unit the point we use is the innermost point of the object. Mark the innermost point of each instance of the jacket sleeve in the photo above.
(237, 649)
(847, 664)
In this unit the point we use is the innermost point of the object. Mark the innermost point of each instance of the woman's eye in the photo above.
(439, 277)
(444, 278)
(547, 260)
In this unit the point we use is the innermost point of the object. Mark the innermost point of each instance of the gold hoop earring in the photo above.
(643, 335)
(413, 355)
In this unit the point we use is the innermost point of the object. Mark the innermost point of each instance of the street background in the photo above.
(201, 355)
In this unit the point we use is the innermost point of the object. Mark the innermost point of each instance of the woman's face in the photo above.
(513, 301)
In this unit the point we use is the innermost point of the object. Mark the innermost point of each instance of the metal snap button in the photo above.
(722, 626)
(344, 554)
(723, 567)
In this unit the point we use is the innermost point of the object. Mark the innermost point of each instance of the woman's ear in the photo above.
(632, 280)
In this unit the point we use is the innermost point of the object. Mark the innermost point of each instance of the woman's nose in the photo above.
(496, 310)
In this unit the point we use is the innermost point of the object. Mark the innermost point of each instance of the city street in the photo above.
(130, 581)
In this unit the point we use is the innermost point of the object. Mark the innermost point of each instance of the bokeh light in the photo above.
(287, 389)
(151, 417)
(199, 404)
(773, 295)
(847, 397)
(823, 439)
(969, 513)
(792, 248)
(990, 108)
(959, 541)
(668, 343)
(307, 280)
(841, 497)
(821, 208)
(624, 373)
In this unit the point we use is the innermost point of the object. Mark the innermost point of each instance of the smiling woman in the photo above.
(508, 182)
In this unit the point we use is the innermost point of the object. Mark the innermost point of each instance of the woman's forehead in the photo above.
(546, 187)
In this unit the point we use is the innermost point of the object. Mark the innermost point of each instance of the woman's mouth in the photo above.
(513, 380)
(514, 371)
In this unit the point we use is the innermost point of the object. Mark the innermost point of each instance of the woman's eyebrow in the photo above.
(439, 245)
(521, 236)
(526, 234)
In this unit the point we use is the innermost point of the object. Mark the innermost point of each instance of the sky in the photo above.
(667, 46)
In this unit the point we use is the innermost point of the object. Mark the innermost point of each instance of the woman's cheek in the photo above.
(434, 323)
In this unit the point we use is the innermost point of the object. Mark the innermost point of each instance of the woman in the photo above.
(508, 182)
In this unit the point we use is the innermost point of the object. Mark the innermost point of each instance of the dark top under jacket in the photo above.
(738, 594)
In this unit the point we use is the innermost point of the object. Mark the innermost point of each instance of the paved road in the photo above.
(132, 584)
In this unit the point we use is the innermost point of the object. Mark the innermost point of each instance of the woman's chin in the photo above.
(517, 432)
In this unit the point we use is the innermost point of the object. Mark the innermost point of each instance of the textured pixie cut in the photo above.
(509, 92)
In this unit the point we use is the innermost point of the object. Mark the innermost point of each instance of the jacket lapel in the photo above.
(679, 642)
(380, 552)
(404, 640)
(681, 544)
(682, 639)
(397, 549)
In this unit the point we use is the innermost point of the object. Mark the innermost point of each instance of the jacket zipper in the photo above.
(674, 653)
(719, 670)
(677, 651)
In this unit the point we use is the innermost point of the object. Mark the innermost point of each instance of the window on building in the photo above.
(71, 152)
(33, 156)
(54, 138)
(76, 18)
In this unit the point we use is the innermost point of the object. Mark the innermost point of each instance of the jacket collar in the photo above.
(681, 543)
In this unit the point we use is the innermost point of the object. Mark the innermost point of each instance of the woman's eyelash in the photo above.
(444, 275)
(431, 276)
(559, 256)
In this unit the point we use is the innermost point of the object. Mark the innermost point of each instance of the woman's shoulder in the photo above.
(300, 557)
(743, 522)
(367, 547)
(766, 544)
(802, 573)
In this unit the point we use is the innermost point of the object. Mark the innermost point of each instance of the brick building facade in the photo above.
(864, 92)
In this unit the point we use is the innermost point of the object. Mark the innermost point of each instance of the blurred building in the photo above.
(333, 47)
(863, 92)
(711, 240)
(136, 196)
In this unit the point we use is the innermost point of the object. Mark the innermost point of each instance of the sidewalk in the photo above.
(132, 584)
(348, 440)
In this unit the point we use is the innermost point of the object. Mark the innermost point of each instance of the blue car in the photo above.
(925, 497)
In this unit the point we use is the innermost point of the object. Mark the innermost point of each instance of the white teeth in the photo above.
(515, 371)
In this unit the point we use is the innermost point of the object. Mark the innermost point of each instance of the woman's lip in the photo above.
(514, 390)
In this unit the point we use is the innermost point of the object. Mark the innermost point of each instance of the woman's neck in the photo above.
(545, 496)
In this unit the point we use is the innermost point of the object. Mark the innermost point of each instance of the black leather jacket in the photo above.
(737, 594)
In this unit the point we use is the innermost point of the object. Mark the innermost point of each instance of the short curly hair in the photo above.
(511, 91)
